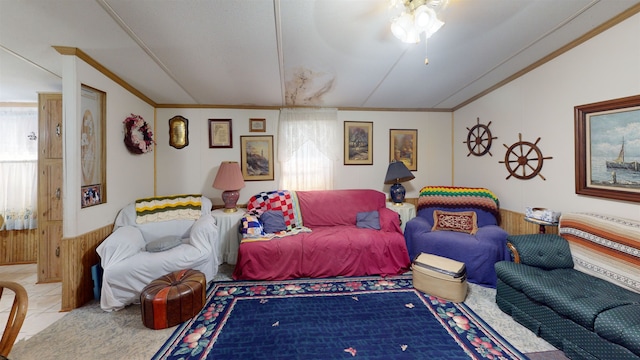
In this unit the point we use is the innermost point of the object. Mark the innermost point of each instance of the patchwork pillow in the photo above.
(250, 226)
(273, 221)
(368, 220)
(164, 243)
(461, 221)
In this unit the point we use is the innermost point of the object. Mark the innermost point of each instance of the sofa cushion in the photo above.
(516, 275)
(460, 221)
(164, 243)
(546, 251)
(368, 220)
(273, 221)
(621, 325)
(576, 295)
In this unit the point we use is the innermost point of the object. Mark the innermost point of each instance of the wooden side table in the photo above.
(542, 224)
(229, 234)
(406, 211)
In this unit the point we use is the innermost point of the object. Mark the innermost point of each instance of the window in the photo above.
(19, 167)
(308, 148)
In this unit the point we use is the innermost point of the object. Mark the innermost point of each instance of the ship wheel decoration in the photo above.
(479, 139)
(524, 159)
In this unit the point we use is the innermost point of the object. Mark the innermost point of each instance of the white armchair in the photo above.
(128, 267)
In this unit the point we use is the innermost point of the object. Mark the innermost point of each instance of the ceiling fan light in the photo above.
(423, 16)
(402, 27)
(413, 36)
(434, 26)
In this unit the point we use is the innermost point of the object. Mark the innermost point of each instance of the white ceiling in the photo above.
(255, 52)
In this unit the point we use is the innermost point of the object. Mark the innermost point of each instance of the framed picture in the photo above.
(403, 146)
(220, 135)
(256, 157)
(257, 125)
(358, 143)
(607, 145)
(91, 195)
(178, 132)
(92, 146)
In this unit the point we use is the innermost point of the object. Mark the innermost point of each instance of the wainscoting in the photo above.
(18, 247)
(79, 255)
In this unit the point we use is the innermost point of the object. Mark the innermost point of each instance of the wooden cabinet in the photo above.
(49, 187)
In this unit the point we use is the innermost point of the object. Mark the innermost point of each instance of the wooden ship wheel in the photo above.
(524, 159)
(479, 139)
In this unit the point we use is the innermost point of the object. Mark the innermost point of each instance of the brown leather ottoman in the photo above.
(173, 298)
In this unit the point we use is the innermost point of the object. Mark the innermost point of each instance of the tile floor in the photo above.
(44, 299)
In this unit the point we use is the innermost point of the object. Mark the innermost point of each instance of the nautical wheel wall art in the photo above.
(479, 139)
(524, 159)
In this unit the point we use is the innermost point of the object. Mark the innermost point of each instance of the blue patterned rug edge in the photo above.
(219, 290)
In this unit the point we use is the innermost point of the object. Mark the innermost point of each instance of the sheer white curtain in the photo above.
(308, 148)
(19, 167)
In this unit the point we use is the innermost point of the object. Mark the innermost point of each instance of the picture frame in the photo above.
(93, 159)
(256, 157)
(220, 133)
(358, 143)
(257, 125)
(601, 131)
(403, 146)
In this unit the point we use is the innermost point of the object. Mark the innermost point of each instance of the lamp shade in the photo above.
(398, 172)
(229, 176)
(229, 179)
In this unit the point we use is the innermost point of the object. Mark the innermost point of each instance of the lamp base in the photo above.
(230, 198)
(397, 193)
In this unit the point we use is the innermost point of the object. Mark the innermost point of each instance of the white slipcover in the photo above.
(128, 267)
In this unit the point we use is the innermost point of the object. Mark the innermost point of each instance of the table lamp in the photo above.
(229, 178)
(397, 173)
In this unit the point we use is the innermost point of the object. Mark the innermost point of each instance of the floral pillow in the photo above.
(461, 221)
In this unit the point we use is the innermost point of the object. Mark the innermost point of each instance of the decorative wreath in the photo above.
(138, 138)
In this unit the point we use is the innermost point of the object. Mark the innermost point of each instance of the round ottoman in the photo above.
(173, 298)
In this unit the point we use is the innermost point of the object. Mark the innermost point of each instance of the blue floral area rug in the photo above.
(337, 318)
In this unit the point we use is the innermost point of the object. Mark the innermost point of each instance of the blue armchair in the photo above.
(479, 243)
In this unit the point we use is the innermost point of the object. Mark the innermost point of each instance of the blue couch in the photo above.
(585, 316)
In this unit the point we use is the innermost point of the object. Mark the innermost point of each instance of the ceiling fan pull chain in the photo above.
(426, 57)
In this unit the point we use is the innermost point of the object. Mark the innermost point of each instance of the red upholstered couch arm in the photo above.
(389, 220)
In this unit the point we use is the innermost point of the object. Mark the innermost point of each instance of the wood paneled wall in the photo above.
(513, 222)
(18, 247)
(79, 255)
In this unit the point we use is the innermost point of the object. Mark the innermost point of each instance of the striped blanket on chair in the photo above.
(459, 197)
(165, 208)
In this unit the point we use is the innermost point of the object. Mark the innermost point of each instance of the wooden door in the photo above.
(49, 187)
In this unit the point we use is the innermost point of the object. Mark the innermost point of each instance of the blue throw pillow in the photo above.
(368, 220)
(273, 221)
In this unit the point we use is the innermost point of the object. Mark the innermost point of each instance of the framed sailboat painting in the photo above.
(607, 149)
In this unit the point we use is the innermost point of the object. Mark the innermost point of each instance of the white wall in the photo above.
(128, 176)
(541, 104)
(193, 168)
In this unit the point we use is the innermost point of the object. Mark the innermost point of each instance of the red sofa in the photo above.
(335, 246)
